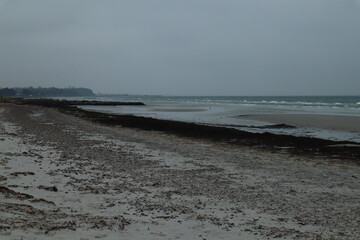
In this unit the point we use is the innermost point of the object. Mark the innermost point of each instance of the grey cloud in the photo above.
(205, 47)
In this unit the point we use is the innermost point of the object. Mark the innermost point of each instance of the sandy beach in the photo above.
(63, 177)
(322, 121)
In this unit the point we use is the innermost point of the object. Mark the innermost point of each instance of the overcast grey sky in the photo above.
(183, 47)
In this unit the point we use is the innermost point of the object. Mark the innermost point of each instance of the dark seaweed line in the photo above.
(295, 144)
(66, 103)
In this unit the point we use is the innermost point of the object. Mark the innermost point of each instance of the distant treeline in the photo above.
(45, 92)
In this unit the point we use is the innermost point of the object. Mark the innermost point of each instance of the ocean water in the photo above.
(335, 102)
(236, 112)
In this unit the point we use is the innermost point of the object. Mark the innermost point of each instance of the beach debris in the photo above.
(52, 188)
(41, 200)
(2, 178)
(4, 227)
(22, 173)
(67, 225)
(165, 217)
(10, 193)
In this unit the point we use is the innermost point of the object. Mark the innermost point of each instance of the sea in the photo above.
(319, 113)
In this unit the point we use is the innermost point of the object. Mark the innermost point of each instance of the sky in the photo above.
(183, 47)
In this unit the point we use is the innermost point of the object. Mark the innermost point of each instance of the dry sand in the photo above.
(331, 122)
(65, 178)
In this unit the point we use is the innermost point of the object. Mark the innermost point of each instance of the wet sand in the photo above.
(63, 177)
(337, 123)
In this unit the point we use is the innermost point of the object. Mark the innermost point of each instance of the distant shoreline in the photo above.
(25, 92)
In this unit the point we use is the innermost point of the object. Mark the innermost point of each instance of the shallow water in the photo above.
(228, 112)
